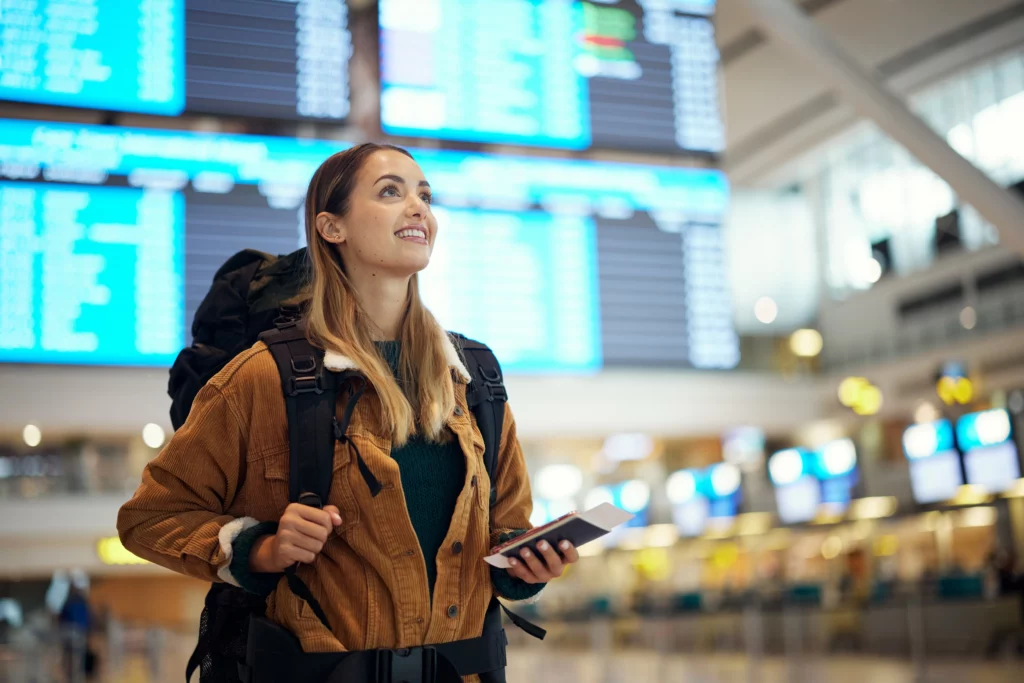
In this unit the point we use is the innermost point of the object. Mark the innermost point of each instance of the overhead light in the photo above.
(153, 435)
(926, 412)
(559, 481)
(806, 343)
(32, 435)
(968, 318)
(681, 487)
(766, 310)
(850, 388)
(869, 402)
(876, 507)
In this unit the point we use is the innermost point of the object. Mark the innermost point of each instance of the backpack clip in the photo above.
(495, 388)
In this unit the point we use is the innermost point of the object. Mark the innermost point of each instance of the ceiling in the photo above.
(778, 107)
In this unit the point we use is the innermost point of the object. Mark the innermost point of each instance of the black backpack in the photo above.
(258, 296)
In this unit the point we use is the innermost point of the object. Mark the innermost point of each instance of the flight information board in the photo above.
(570, 74)
(90, 274)
(283, 59)
(105, 54)
(561, 265)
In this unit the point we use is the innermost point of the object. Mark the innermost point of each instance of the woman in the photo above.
(397, 570)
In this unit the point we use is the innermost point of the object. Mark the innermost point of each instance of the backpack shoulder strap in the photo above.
(486, 396)
(310, 397)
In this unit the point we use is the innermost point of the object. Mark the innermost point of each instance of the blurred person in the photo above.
(75, 621)
(398, 570)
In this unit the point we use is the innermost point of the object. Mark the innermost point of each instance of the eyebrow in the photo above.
(398, 179)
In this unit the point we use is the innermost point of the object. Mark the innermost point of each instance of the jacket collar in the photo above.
(338, 362)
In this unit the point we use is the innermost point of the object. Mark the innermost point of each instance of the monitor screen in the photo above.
(553, 73)
(105, 54)
(562, 266)
(994, 468)
(284, 59)
(798, 502)
(936, 478)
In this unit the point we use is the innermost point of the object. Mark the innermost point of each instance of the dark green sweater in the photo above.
(432, 477)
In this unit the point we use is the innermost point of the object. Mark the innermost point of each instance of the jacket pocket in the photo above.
(267, 485)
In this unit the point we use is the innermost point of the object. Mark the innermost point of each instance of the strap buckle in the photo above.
(493, 383)
(407, 665)
(309, 384)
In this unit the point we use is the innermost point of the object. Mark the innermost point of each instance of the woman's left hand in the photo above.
(543, 566)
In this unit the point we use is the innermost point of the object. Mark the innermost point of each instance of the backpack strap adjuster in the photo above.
(310, 384)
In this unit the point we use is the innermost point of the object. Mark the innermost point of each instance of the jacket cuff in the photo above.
(237, 539)
(508, 586)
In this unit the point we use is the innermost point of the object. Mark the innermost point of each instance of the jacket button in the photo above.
(453, 611)
(456, 547)
(458, 411)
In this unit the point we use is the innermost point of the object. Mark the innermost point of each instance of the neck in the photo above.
(383, 300)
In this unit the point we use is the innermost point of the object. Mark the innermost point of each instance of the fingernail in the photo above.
(564, 545)
(526, 553)
(337, 518)
(513, 561)
(543, 545)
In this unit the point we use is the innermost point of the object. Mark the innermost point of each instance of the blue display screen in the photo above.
(554, 73)
(560, 265)
(283, 59)
(102, 54)
(90, 275)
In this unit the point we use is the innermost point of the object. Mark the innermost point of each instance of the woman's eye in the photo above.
(389, 191)
(427, 197)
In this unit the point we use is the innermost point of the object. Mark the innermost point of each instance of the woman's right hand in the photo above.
(300, 537)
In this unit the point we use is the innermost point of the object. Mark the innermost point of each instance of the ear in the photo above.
(331, 227)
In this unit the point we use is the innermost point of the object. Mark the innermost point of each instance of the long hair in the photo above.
(337, 323)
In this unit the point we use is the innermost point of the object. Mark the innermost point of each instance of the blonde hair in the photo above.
(335, 321)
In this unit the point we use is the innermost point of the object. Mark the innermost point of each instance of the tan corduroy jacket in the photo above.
(226, 470)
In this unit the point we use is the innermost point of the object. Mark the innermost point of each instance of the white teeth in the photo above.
(411, 232)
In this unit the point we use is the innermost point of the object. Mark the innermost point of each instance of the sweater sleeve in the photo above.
(508, 586)
(258, 583)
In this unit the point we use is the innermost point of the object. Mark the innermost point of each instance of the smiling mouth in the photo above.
(413, 234)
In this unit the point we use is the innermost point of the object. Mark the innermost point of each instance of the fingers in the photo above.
(305, 528)
(534, 563)
(551, 558)
(521, 571)
(335, 514)
(569, 553)
(302, 541)
(311, 514)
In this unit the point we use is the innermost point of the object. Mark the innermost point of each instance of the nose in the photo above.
(416, 207)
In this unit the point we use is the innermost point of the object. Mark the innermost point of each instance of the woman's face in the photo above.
(389, 227)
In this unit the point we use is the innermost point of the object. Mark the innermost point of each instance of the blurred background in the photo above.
(741, 276)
